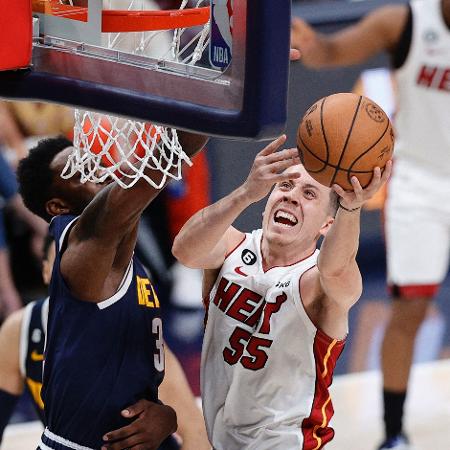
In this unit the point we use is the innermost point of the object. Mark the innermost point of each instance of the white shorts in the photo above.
(417, 226)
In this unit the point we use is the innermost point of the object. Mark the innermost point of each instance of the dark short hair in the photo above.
(35, 176)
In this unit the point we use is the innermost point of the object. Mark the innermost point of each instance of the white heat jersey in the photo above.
(266, 368)
(423, 119)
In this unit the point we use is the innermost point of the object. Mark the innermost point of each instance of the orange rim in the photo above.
(118, 21)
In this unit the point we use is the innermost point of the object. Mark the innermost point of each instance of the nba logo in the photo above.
(220, 50)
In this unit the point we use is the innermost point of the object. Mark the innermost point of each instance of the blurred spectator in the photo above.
(22, 124)
(417, 36)
(9, 297)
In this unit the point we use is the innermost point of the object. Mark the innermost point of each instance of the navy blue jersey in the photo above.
(32, 340)
(99, 358)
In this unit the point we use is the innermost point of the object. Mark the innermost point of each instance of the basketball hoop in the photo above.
(123, 149)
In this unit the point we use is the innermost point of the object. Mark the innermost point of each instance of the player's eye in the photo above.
(285, 185)
(310, 194)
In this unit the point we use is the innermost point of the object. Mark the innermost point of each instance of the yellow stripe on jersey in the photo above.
(322, 425)
(324, 406)
(327, 357)
(35, 389)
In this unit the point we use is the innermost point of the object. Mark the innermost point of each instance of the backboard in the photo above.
(96, 55)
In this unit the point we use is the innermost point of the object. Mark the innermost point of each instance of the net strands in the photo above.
(126, 20)
(158, 42)
(123, 150)
(126, 150)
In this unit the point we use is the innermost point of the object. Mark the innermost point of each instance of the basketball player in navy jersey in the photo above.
(277, 308)
(417, 213)
(22, 338)
(104, 348)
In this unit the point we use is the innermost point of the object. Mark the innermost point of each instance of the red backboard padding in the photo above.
(15, 34)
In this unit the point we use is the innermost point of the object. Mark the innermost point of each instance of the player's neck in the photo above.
(279, 255)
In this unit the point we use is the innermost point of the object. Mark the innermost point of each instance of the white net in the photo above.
(124, 150)
(183, 45)
(127, 150)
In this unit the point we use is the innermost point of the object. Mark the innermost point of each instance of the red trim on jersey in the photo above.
(414, 290)
(315, 429)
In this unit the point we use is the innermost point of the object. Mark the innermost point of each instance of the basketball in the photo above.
(344, 135)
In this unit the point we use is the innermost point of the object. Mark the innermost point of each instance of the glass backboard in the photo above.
(217, 66)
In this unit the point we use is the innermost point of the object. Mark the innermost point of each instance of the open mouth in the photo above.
(285, 218)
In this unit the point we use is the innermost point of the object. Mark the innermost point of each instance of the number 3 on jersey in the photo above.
(242, 340)
(158, 357)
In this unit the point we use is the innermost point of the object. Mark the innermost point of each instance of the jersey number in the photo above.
(242, 340)
(158, 357)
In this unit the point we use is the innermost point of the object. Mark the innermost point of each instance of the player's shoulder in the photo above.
(233, 239)
(59, 226)
(59, 223)
(12, 325)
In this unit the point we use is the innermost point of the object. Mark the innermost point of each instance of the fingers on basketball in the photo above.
(344, 135)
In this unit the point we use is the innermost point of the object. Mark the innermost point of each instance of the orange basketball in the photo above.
(147, 136)
(344, 135)
(98, 138)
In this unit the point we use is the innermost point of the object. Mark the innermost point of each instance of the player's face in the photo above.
(72, 192)
(297, 210)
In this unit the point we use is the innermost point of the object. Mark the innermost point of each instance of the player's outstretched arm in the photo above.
(379, 31)
(102, 241)
(11, 381)
(339, 274)
(207, 237)
(175, 392)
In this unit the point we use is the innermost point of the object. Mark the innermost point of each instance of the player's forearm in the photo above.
(205, 229)
(340, 246)
(127, 205)
(319, 55)
(336, 50)
(192, 143)
(115, 211)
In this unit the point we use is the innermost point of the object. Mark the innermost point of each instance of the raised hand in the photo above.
(269, 168)
(152, 424)
(355, 199)
(303, 36)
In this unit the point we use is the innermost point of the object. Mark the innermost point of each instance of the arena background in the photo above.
(229, 165)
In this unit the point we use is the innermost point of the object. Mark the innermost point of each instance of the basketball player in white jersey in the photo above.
(417, 210)
(277, 309)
